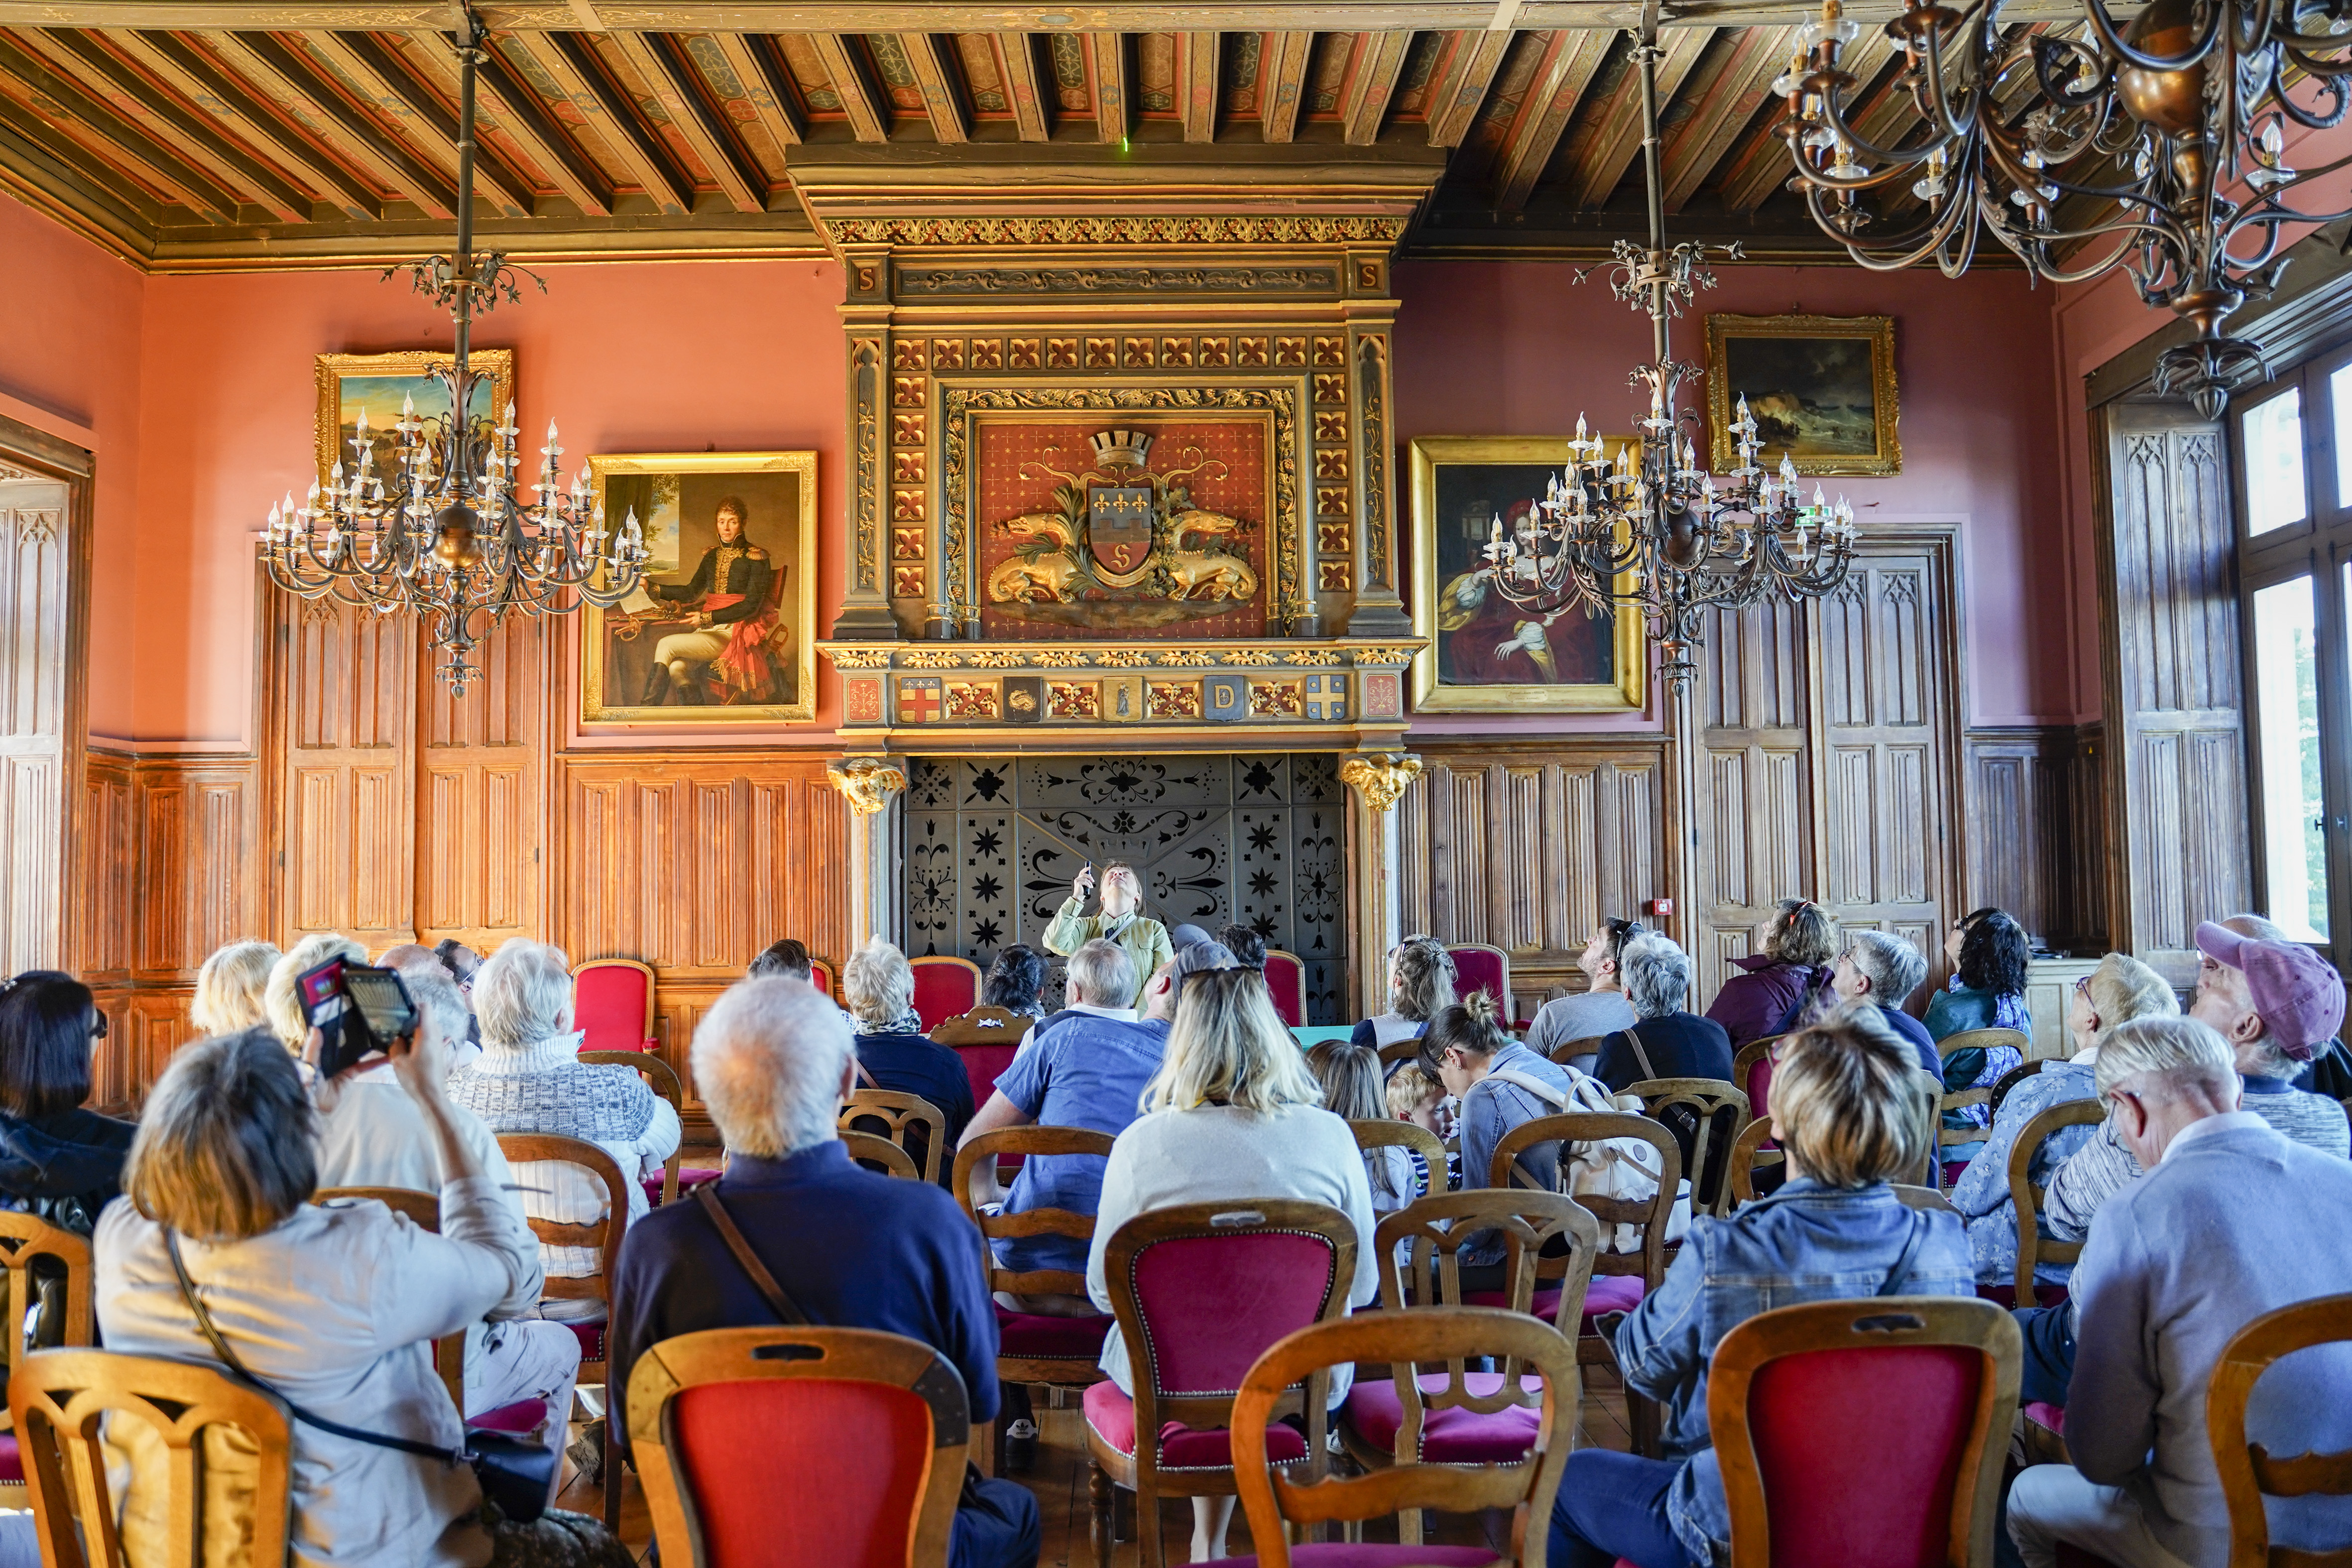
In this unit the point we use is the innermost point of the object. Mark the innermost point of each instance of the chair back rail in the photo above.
(1651, 1214)
(983, 1026)
(2028, 1199)
(2249, 1471)
(1922, 1198)
(1272, 1502)
(817, 1389)
(423, 1211)
(612, 1003)
(1717, 1109)
(24, 1239)
(898, 1113)
(1394, 1134)
(894, 1161)
(1397, 1051)
(1955, 1360)
(1439, 1227)
(1584, 1045)
(663, 1080)
(603, 1235)
(1751, 1071)
(57, 1400)
(1748, 1156)
(2015, 1076)
(973, 1179)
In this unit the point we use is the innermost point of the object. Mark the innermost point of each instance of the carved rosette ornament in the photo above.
(1382, 778)
(868, 783)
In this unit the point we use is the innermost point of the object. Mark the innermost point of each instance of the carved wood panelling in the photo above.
(200, 836)
(37, 753)
(108, 881)
(2036, 820)
(481, 804)
(348, 799)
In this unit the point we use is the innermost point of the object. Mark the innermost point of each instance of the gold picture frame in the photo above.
(406, 371)
(1801, 376)
(1442, 682)
(686, 490)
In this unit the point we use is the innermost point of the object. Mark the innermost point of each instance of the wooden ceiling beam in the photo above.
(187, 184)
(50, 173)
(418, 117)
(1281, 83)
(522, 117)
(1612, 137)
(868, 119)
(942, 102)
(174, 124)
(1762, 166)
(570, 60)
(265, 63)
(1197, 85)
(1018, 54)
(1463, 77)
(1371, 85)
(1721, 107)
(679, 89)
(1113, 89)
(1571, 58)
(768, 83)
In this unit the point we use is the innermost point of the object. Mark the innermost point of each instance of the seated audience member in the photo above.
(459, 960)
(229, 988)
(1498, 1085)
(282, 1003)
(1884, 970)
(1246, 945)
(1122, 921)
(1666, 1040)
(2121, 989)
(1777, 987)
(1014, 981)
(2219, 1232)
(1098, 972)
(1352, 1090)
(877, 987)
(785, 959)
(1232, 1114)
(1597, 1010)
(529, 1078)
(334, 1308)
(1991, 955)
(407, 955)
(1421, 986)
(1843, 1109)
(852, 1248)
(1414, 1096)
(371, 1133)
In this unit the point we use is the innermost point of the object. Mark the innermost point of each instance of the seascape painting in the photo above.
(1821, 389)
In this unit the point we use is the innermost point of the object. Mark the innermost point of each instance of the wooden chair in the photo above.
(901, 1116)
(2033, 1246)
(821, 976)
(886, 1419)
(984, 1025)
(1751, 1072)
(1391, 1133)
(28, 1247)
(1587, 1046)
(944, 986)
(1272, 1265)
(1957, 1100)
(1861, 1487)
(60, 1400)
(1033, 1347)
(1922, 1198)
(1716, 1110)
(1986, 1040)
(2015, 1076)
(865, 1148)
(423, 1211)
(1748, 1156)
(1445, 1413)
(1622, 1278)
(1928, 1099)
(1399, 1051)
(612, 1004)
(663, 1080)
(2248, 1472)
(603, 1237)
(1285, 980)
(1948, 1136)
(1479, 967)
(1522, 1484)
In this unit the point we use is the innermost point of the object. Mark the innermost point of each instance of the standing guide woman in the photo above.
(1121, 921)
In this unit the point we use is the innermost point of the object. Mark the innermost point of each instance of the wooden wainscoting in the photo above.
(2037, 822)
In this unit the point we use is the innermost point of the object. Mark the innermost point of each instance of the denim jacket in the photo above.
(1805, 1243)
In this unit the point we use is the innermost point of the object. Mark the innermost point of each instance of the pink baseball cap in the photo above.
(2297, 993)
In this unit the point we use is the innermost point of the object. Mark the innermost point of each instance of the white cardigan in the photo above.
(1214, 1152)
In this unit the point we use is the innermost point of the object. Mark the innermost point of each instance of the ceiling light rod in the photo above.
(452, 540)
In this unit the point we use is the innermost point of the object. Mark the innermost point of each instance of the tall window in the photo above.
(2293, 444)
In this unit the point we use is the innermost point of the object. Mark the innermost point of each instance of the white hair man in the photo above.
(2219, 1232)
(1885, 970)
(1101, 982)
(852, 1249)
(1667, 1040)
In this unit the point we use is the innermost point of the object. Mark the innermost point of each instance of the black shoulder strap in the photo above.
(787, 1310)
(1900, 1275)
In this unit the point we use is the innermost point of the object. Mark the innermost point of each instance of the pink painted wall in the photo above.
(1495, 349)
(69, 367)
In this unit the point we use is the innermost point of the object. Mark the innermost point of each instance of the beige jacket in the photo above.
(335, 1308)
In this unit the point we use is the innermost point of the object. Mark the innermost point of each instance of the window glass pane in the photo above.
(2287, 706)
(2273, 440)
(2339, 397)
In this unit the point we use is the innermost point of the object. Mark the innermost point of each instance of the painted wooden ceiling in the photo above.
(183, 133)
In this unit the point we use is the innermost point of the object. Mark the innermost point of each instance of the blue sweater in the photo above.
(855, 1249)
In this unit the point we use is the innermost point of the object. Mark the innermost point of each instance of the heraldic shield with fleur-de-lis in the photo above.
(1126, 546)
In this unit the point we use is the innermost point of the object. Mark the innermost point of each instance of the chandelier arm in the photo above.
(2111, 39)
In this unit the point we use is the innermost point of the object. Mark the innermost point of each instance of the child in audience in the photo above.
(1351, 1077)
(1413, 1096)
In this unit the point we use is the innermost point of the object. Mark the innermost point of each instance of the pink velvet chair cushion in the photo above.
(592, 1340)
(1475, 969)
(1112, 1415)
(944, 991)
(1038, 1337)
(983, 1065)
(1449, 1436)
(1337, 1555)
(1285, 980)
(608, 1006)
(689, 1178)
(1607, 1293)
(1211, 1304)
(12, 1459)
(856, 1453)
(2052, 1416)
(1759, 1090)
(523, 1417)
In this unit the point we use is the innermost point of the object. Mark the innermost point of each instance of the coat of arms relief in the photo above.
(1124, 547)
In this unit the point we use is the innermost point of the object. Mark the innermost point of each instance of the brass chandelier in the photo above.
(444, 532)
(1651, 532)
(2174, 128)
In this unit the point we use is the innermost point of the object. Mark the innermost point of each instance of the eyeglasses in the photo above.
(97, 1031)
(2083, 986)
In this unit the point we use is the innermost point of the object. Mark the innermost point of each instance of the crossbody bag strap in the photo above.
(1640, 1055)
(864, 1077)
(779, 1302)
(229, 1358)
(1900, 1275)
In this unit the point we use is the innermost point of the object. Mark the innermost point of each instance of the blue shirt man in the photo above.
(1087, 1072)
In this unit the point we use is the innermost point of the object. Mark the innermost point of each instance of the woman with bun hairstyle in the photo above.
(1421, 986)
(1500, 1085)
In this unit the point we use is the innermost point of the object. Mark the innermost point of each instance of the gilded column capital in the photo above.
(868, 783)
(1382, 777)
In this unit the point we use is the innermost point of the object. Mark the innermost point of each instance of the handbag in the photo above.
(516, 1474)
(1626, 1169)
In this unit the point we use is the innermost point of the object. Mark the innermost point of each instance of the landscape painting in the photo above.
(377, 384)
(1821, 388)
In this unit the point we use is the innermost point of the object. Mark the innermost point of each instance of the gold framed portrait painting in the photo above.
(377, 383)
(1485, 654)
(719, 632)
(1821, 389)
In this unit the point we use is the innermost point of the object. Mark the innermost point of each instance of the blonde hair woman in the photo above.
(1844, 1108)
(1421, 986)
(1122, 921)
(1232, 1114)
(2122, 988)
(230, 988)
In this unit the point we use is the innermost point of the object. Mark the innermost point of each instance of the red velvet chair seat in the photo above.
(1035, 1336)
(592, 1340)
(2052, 1416)
(1448, 1436)
(689, 1178)
(2006, 1295)
(12, 1459)
(1608, 1293)
(523, 1417)
(1112, 1415)
(1367, 1554)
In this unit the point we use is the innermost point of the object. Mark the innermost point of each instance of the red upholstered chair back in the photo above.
(984, 1065)
(1751, 1071)
(1868, 1433)
(1285, 978)
(944, 987)
(821, 976)
(1477, 967)
(612, 1004)
(856, 1443)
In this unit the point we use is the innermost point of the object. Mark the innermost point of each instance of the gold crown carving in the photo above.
(1121, 449)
